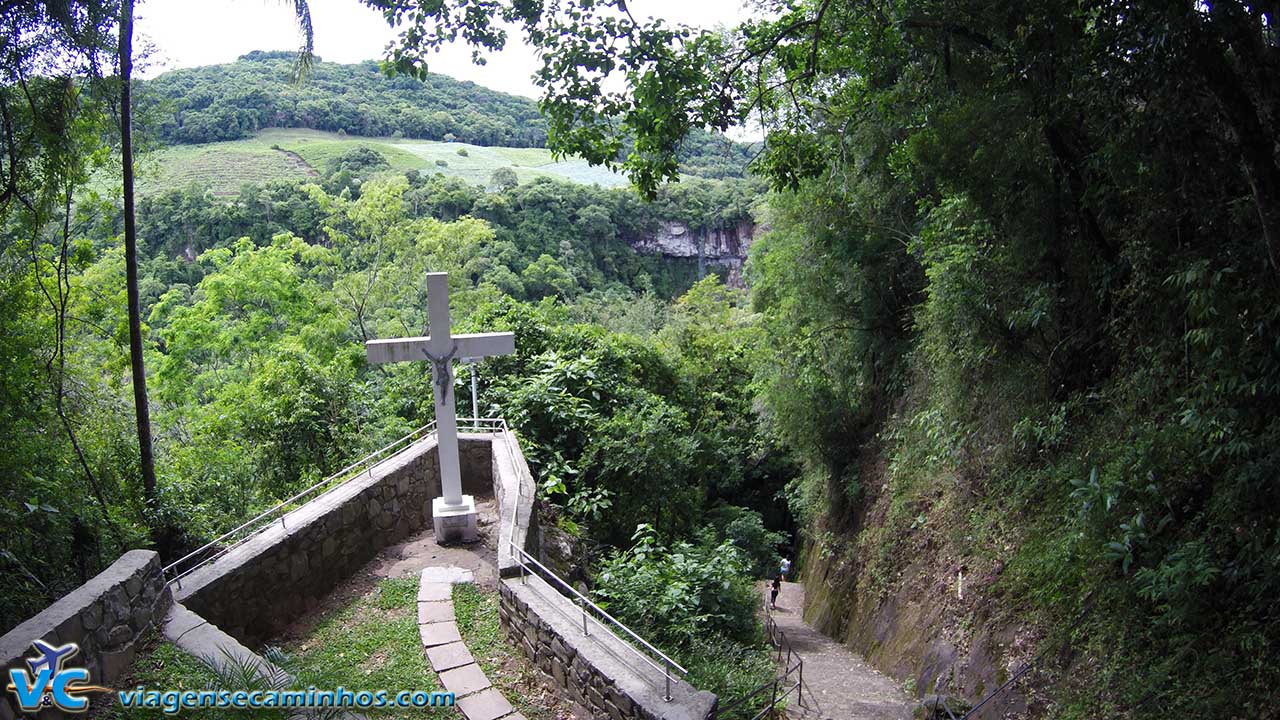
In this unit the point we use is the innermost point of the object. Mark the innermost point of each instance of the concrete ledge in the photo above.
(514, 489)
(198, 637)
(105, 617)
(599, 670)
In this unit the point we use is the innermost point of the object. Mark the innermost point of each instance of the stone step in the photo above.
(448, 655)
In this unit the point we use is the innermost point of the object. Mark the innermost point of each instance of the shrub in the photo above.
(361, 161)
(504, 178)
(745, 529)
(698, 604)
(682, 593)
(463, 152)
(442, 163)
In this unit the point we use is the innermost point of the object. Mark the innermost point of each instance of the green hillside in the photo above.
(284, 154)
(234, 101)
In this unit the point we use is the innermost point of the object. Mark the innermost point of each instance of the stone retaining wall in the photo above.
(105, 617)
(256, 590)
(598, 670)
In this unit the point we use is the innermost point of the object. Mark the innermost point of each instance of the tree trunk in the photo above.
(1256, 144)
(137, 366)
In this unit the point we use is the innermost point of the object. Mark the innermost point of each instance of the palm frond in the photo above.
(306, 54)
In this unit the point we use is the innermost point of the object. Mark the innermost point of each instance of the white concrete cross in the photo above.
(442, 348)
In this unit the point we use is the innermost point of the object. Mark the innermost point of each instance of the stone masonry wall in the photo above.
(257, 589)
(596, 669)
(105, 617)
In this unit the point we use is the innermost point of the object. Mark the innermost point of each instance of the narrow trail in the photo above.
(839, 684)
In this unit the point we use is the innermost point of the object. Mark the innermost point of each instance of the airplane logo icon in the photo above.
(49, 684)
(50, 657)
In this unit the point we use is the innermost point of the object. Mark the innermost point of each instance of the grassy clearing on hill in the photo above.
(223, 167)
(285, 154)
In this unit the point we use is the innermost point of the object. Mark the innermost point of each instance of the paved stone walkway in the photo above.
(839, 684)
(449, 657)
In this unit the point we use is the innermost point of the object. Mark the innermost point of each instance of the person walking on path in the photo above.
(839, 684)
(773, 594)
(786, 568)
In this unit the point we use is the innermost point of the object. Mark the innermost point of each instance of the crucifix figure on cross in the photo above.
(454, 514)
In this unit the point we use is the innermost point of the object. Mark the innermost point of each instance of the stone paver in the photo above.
(439, 633)
(451, 575)
(486, 705)
(433, 612)
(465, 680)
(448, 657)
(435, 592)
(839, 684)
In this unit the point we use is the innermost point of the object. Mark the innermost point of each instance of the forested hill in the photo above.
(235, 100)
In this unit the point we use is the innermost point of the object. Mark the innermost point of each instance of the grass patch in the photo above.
(165, 667)
(476, 610)
(221, 167)
(299, 154)
(371, 644)
(322, 152)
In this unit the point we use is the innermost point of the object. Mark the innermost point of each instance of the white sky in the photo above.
(189, 33)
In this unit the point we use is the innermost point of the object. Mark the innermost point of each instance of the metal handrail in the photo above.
(366, 463)
(771, 684)
(360, 466)
(584, 602)
(777, 638)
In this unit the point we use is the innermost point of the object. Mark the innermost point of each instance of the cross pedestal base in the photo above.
(454, 523)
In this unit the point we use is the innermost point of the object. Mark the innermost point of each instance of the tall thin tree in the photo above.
(136, 362)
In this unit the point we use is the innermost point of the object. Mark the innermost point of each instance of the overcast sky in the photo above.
(188, 33)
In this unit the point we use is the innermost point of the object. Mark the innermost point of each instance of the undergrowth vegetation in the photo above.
(1039, 351)
(698, 602)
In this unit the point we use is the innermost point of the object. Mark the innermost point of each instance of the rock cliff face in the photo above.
(929, 617)
(722, 247)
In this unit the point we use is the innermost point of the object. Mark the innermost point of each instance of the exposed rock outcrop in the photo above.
(725, 247)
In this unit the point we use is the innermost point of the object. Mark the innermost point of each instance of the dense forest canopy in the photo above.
(228, 102)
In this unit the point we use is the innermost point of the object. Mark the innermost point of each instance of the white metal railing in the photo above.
(230, 540)
(667, 664)
(525, 560)
(791, 679)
